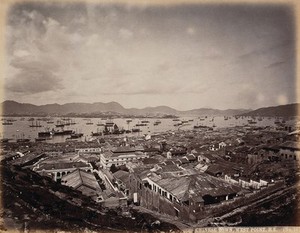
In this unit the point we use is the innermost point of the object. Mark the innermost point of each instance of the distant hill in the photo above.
(288, 110)
(214, 112)
(14, 108)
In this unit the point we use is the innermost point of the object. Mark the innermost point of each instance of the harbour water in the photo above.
(21, 127)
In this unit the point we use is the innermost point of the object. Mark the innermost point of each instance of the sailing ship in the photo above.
(36, 125)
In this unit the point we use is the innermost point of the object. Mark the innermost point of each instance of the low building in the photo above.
(182, 197)
(121, 156)
(246, 183)
(84, 182)
(90, 150)
(58, 170)
(121, 180)
(289, 150)
(28, 159)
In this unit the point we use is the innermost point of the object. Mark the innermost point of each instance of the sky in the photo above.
(183, 56)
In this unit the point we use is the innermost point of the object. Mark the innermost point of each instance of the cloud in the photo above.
(125, 34)
(34, 80)
(275, 64)
(191, 31)
(34, 66)
(156, 54)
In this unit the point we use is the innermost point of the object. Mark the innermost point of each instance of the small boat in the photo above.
(40, 139)
(7, 123)
(97, 134)
(23, 140)
(145, 121)
(76, 135)
(4, 140)
(178, 124)
(72, 122)
(109, 123)
(100, 124)
(63, 132)
(135, 130)
(36, 125)
(129, 120)
(45, 134)
(59, 124)
(200, 127)
(141, 124)
(252, 122)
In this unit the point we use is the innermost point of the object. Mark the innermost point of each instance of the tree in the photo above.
(113, 168)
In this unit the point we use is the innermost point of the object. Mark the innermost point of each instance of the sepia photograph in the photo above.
(149, 116)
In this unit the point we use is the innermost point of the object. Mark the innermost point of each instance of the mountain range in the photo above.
(287, 110)
(10, 107)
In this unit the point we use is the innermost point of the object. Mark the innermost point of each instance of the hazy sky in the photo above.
(183, 56)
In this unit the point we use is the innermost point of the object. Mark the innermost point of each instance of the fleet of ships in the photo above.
(109, 127)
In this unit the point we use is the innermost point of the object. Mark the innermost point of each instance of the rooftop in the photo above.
(50, 166)
(79, 178)
(291, 145)
(196, 185)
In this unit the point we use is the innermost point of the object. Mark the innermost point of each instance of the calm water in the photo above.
(21, 129)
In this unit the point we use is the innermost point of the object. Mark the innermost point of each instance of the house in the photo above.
(191, 157)
(271, 153)
(178, 151)
(214, 147)
(83, 181)
(121, 180)
(222, 145)
(13, 156)
(182, 197)
(289, 150)
(206, 158)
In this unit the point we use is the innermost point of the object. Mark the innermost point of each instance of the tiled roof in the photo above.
(51, 166)
(198, 185)
(121, 174)
(28, 158)
(79, 178)
(291, 145)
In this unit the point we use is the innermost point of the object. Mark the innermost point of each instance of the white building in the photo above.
(88, 150)
(121, 156)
